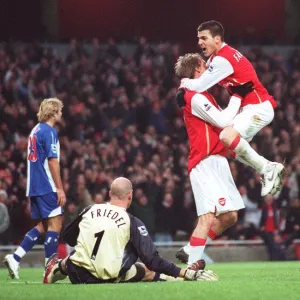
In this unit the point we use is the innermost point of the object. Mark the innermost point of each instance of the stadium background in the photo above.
(111, 62)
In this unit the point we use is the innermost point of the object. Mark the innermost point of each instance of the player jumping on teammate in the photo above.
(230, 68)
(216, 196)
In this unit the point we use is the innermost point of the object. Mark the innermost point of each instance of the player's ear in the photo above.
(197, 70)
(218, 39)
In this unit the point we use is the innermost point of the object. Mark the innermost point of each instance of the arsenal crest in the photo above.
(222, 201)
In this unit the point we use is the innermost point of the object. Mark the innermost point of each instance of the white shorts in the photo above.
(213, 187)
(252, 118)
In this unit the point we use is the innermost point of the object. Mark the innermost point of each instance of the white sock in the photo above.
(238, 158)
(187, 248)
(250, 156)
(46, 259)
(20, 252)
(197, 246)
(195, 254)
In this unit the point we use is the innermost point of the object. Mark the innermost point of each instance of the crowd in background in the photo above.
(121, 119)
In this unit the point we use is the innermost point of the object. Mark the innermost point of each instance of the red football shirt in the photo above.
(229, 68)
(203, 137)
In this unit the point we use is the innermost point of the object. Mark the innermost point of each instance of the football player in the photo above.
(216, 196)
(108, 241)
(44, 185)
(229, 68)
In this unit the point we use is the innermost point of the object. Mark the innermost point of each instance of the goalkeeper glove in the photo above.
(200, 275)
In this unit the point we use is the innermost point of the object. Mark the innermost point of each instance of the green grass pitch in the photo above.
(240, 281)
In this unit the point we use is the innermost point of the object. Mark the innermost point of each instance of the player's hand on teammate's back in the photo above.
(180, 97)
(61, 197)
(241, 90)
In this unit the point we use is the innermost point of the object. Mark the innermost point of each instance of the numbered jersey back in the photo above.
(103, 236)
(42, 145)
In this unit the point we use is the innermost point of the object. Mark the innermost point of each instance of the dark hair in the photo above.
(214, 27)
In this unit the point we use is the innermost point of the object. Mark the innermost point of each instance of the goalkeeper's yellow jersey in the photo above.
(104, 232)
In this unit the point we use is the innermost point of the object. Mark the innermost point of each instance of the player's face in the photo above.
(201, 69)
(59, 115)
(207, 42)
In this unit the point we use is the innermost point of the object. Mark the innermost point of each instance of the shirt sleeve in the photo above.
(51, 139)
(205, 110)
(218, 69)
(147, 251)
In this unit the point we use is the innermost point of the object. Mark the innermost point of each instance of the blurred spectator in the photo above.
(251, 218)
(165, 220)
(143, 209)
(292, 225)
(4, 218)
(121, 119)
(269, 229)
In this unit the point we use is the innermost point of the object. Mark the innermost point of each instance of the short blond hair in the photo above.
(186, 64)
(48, 109)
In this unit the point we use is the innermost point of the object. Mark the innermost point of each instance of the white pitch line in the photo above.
(25, 282)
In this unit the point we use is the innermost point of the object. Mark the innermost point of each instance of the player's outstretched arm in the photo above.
(148, 254)
(218, 70)
(205, 110)
(55, 172)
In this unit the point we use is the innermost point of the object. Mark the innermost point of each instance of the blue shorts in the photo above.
(45, 206)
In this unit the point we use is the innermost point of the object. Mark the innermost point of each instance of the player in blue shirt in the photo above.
(44, 185)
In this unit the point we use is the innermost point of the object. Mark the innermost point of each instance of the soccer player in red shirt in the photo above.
(229, 68)
(216, 196)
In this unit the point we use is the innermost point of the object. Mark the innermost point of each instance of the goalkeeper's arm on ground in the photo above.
(147, 252)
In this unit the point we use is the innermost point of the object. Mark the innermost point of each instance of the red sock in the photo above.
(212, 234)
(231, 154)
(194, 241)
(234, 143)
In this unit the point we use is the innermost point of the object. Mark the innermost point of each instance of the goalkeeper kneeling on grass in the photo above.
(108, 242)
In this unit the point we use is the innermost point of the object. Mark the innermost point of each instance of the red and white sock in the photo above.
(187, 248)
(211, 235)
(246, 154)
(197, 246)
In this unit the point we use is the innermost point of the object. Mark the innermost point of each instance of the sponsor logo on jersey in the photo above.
(211, 68)
(54, 148)
(207, 107)
(143, 231)
(222, 201)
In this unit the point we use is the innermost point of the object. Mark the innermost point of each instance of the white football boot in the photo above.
(12, 266)
(272, 178)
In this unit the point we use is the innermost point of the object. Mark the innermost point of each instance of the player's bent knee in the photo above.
(227, 135)
(136, 273)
